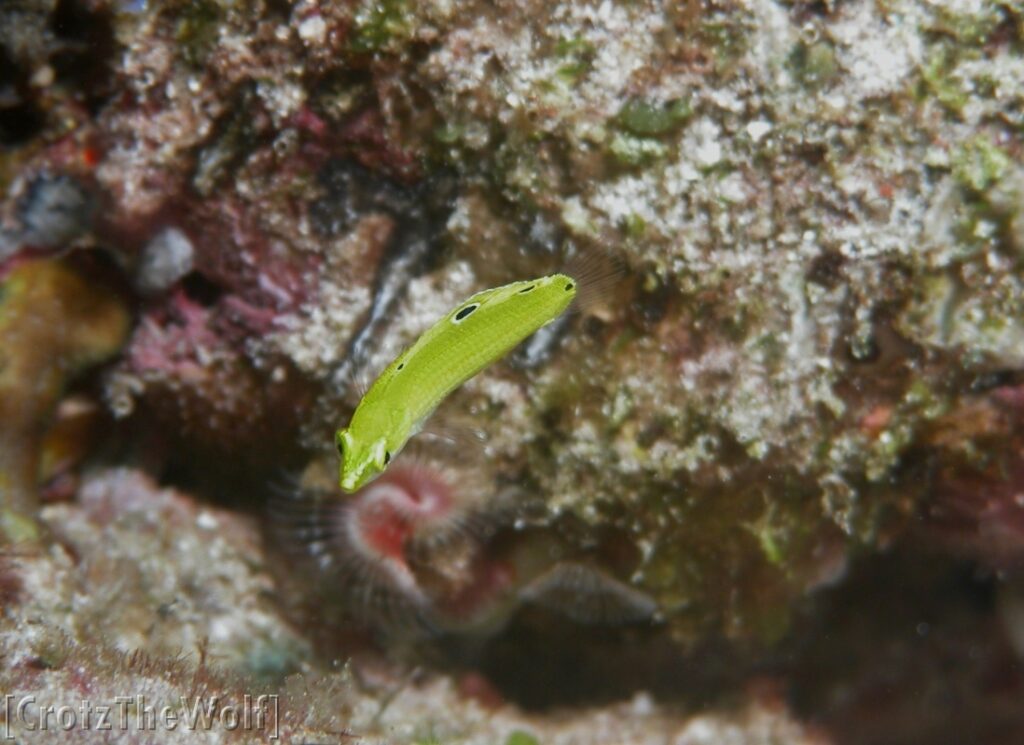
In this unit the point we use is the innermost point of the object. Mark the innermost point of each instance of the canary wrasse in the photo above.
(476, 333)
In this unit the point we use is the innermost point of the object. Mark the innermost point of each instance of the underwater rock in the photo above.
(49, 212)
(164, 602)
(146, 589)
(184, 368)
(54, 323)
(165, 259)
(414, 715)
(142, 590)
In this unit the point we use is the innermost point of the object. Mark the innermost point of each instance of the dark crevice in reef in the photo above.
(74, 39)
(419, 213)
(241, 129)
(20, 117)
(278, 9)
(85, 46)
(201, 289)
(909, 648)
(542, 662)
(352, 190)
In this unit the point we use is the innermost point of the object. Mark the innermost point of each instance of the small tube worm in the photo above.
(366, 547)
(406, 555)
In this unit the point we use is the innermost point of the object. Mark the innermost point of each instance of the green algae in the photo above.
(814, 65)
(922, 402)
(15, 525)
(636, 151)
(449, 133)
(724, 34)
(381, 26)
(197, 29)
(938, 80)
(634, 226)
(577, 55)
(647, 118)
(979, 164)
(519, 737)
(969, 29)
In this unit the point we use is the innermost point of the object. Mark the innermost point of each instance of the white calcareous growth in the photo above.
(165, 259)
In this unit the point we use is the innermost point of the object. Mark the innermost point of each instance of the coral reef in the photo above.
(224, 218)
(99, 613)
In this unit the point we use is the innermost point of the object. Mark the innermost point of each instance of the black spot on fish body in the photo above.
(401, 365)
(526, 289)
(464, 313)
(568, 286)
(387, 457)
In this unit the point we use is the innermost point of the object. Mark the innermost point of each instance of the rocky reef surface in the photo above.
(767, 487)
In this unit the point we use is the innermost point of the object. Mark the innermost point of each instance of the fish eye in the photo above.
(462, 314)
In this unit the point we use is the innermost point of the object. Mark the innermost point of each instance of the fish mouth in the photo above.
(350, 481)
(353, 482)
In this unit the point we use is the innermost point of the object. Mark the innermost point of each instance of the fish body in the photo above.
(473, 335)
